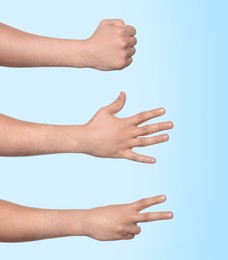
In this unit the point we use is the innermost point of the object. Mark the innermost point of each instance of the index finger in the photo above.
(145, 116)
(148, 202)
(131, 30)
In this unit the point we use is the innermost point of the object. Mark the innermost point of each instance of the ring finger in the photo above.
(141, 142)
(132, 41)
(131, 51)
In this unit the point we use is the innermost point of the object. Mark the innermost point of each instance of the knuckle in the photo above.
(120, 32)
(121, 230)
(154, 113)
(161, 215)
(147, 160)
(160, 127)
(145, 217)
(145, 130)
(123, 43)
(120, 21)
(142, 116)
(141, 142)
(118, 102)
(159, 139)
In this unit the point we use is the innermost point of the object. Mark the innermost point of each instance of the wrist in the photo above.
(76, 53)
(69, 139)
(75, 223)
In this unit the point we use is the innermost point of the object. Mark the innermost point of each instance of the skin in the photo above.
(105, 135)
(115, 222)
(111, 47)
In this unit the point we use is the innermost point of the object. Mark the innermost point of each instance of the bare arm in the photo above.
(110, 47)
(115, 222)
(104, 135)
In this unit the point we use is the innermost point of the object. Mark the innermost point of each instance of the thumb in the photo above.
(118, 104)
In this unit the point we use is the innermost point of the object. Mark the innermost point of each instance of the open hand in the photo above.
(105, 135)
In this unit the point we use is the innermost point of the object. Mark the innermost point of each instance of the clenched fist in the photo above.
(111, 46)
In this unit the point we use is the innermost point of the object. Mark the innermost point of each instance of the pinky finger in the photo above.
(133, 156)
(129, 236)
(129, 61)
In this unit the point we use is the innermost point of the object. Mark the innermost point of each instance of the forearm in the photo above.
(20, 223)
(114, 222)
(21, 49)
(20, 138)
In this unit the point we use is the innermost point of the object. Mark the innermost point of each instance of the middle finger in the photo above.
(153, 128)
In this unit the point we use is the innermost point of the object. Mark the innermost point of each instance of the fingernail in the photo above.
(163, 198)
(165, 137)
(152, 160)
(170, 124)
(162, 110)
(169, 215)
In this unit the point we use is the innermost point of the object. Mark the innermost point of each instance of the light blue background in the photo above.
(181, 64)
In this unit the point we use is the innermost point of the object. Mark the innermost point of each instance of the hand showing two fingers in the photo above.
(112, 137)
(112, 45)
(116, 222)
